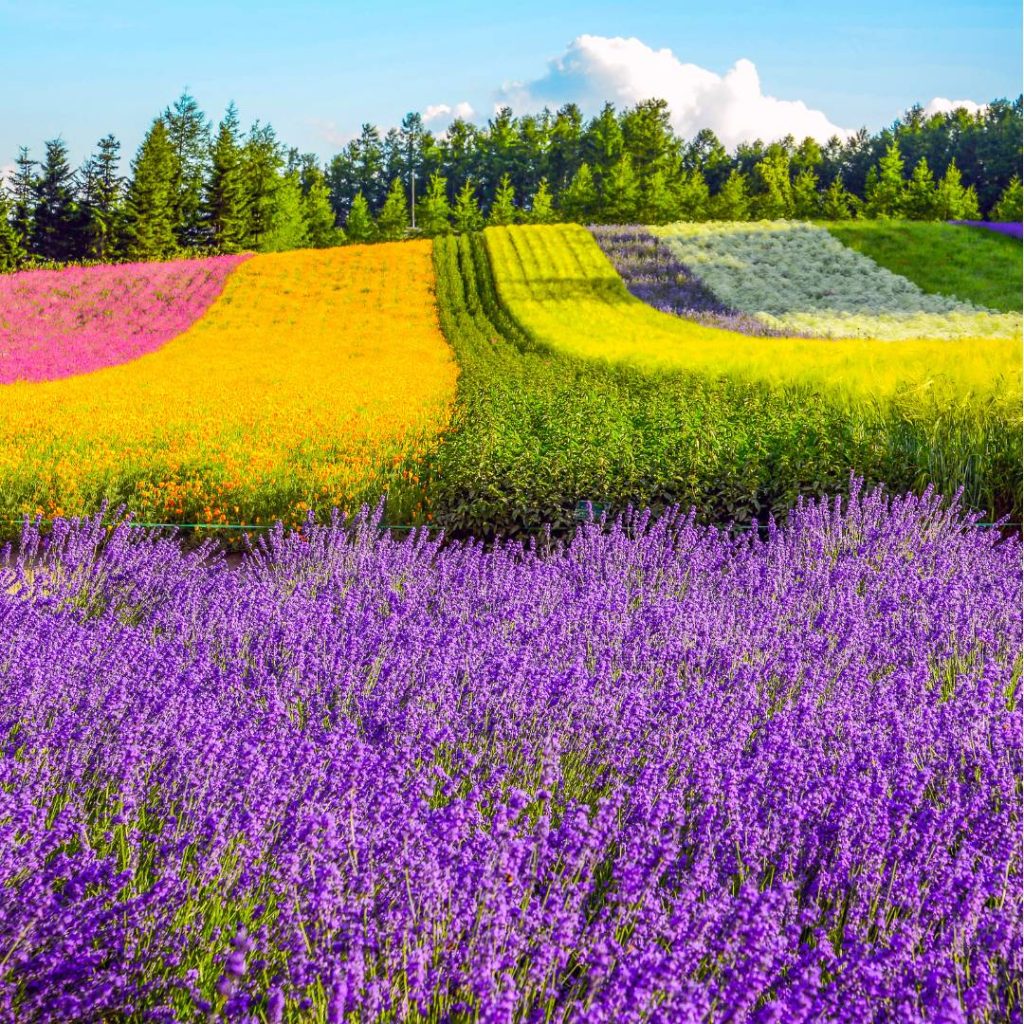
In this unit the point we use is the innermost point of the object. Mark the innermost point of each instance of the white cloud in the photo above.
(940, 105)
(444, 112)
(594, 69)
(6, 173)
(330, 132)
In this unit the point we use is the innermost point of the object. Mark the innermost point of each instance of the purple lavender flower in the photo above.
(657, 773)
(1011, 229)
(652, 274)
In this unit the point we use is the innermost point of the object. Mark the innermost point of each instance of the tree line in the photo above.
(192, 188)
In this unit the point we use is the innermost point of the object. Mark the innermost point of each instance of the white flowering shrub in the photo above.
(798, 277)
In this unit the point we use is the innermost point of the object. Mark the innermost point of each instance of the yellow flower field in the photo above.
(317, 378)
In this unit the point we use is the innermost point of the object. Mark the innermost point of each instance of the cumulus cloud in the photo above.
(443, 112)
(594, 69)
(6, 173)
(940, 105)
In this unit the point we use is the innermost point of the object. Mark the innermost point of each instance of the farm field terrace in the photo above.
(797, 277)
(316, 378)
(799, 412)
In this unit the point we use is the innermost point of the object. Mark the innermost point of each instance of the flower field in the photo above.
(317, 378)
(59, 323)
(656, 774)
(656, 277)
(799, 278)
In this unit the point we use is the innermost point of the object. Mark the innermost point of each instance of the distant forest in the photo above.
(194, 188)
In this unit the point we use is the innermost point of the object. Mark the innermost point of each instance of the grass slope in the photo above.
(982, 267)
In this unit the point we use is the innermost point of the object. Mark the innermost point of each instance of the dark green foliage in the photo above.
(360, 227)
(535, 432)
(774, 197)
(1009, 207)
(287, 226)
(466, 215)
(321, 229)
(57, 228)
(620, 193)
(261, 163)
(149, 210)
(23, 190)
(433, 212)
(579, 199)
(224, 200)
(189, 135)
(733, 201)
(541, 210)
(977, 265)
(885, 189)
(919, 200)
(12, 252)
(952, 200)
(619, 166)
(393, 221)
(503, 209)
(103, 200)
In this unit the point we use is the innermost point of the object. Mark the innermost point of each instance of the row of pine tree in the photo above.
(195, 189)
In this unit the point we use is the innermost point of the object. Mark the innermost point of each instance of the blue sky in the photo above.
(316, 70)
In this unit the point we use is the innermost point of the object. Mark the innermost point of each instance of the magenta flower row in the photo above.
(59, 323)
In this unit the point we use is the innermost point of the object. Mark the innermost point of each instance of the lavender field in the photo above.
(655, 774)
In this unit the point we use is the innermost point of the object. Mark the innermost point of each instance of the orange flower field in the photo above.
(317, 378)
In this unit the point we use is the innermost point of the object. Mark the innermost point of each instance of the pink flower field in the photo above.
(60, 323)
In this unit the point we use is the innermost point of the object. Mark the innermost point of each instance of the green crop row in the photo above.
(537, 430)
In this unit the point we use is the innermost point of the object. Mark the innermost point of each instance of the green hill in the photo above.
(969, 263)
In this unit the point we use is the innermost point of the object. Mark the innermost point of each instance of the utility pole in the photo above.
(412, 185)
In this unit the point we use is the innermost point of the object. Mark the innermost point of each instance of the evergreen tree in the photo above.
(189, 135)
(837, 203)
(393, 221)
(57, 229)
(102, 199)
(602, 142)
(806, 197)
(578, 200)
(1008, 209)
(433, 212)
(12, 252)
(23, 196)
(952, 200)
(541, 210)
(919, 198)
(503, 209)
(224, 193)
(733, 200)
(321, 229)
(692, 200)
(287, 228)
(149, 210)
(360, 227)
(705, 153)
(466, 215)
(620, 193)
(885, 188)
(261, 164)
(774, 200)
